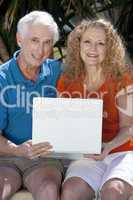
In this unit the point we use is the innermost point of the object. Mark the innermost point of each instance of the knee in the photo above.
(48, 188)
(10, 182)
(113, 188)
(69, 188)
(75, 188)
(49, 185)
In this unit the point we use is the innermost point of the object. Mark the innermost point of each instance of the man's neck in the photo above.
(30, 73)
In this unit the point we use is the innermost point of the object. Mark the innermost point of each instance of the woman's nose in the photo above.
(93, 47)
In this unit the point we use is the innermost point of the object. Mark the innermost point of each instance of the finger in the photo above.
(44, 154)
(98, 158)
(41, 144)
(47, 153)
(94, 157)
(39, 151)
(89, 155)
(43, 149)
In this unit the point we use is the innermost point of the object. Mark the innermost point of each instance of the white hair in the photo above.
(35, 18)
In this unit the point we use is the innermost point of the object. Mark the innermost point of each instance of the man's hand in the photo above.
(28, 150)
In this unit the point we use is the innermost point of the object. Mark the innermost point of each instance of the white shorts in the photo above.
(96, 173)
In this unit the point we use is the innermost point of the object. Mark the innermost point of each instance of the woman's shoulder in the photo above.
(61, 83)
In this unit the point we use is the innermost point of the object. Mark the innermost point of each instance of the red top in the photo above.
(107, 92)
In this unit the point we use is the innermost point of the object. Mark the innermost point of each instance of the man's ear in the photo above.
(18, 39)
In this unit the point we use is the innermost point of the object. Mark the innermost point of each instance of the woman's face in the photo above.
(93, 47)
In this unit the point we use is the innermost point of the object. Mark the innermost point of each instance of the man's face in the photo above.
(36, 45)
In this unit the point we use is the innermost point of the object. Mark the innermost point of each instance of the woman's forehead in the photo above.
(94, 32)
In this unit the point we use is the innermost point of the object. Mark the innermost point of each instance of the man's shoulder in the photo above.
(5, 70)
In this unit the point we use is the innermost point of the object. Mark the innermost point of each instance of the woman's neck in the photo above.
(94, 78)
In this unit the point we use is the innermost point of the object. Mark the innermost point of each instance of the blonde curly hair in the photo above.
(114, 62)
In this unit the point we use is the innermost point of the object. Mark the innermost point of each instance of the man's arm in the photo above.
(6, 147)
(25, 149)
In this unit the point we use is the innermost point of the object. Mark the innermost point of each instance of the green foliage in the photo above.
(65, 12)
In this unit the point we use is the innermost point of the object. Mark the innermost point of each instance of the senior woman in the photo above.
(95, 68)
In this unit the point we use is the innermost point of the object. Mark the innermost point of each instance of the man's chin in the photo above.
(37, 64)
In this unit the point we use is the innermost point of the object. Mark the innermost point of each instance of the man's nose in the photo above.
(41, 50)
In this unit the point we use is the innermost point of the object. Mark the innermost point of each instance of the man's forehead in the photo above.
(39, 31)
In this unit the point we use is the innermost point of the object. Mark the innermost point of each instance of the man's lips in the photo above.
(36, 58)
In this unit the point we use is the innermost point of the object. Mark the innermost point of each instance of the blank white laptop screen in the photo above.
(72, 126)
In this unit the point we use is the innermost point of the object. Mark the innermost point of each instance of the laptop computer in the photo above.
(72, 126)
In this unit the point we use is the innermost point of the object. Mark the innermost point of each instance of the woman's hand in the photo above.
(28, 150)
(106, 148)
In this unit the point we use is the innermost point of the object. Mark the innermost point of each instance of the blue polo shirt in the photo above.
(16, 97)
